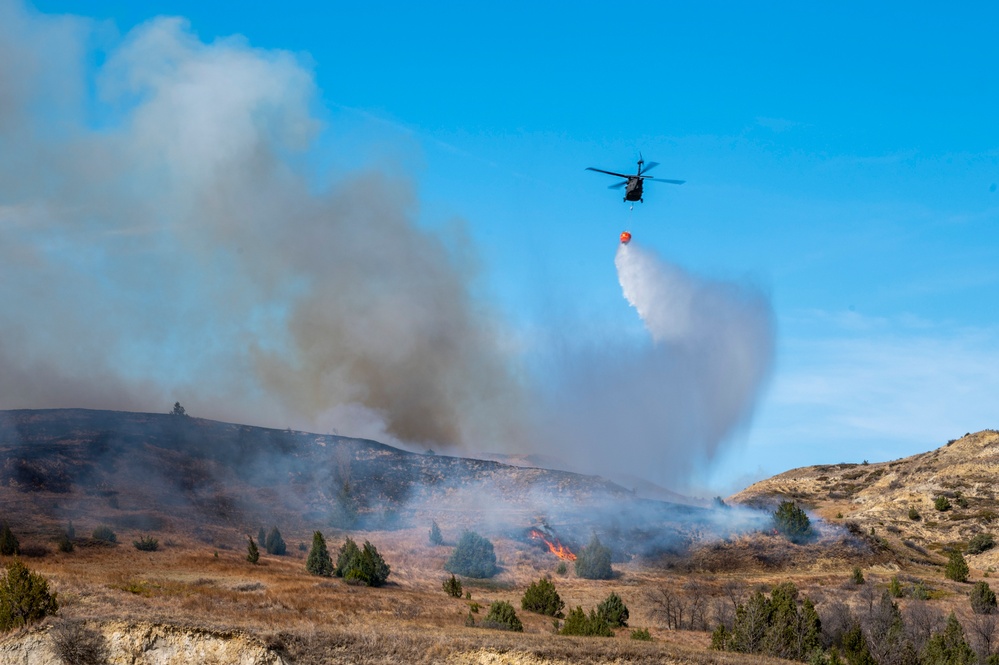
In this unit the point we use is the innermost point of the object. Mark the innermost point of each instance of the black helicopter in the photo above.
(634, 182)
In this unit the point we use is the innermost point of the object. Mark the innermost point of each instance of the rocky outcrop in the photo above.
(141, 644)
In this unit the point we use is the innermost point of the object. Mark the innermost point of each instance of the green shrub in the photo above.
(562, 568)
(614, 611)
(941, 503)
(895, 587)
(502, 616)
(474, 608)
(948, 647)
(472, 557)
(858, 575)
(104, 534)
(24, 597)
(777, 626)
(957, 567)
(361, 566)
(452, 587)
(594, 561)
(792, 522)
(275, 543)
(641, 634)
(981, 542)
(436, 538)
(319, 562)
(146, 544)
(541, 597)
(8, 542)
(914, 514)
(252, 553)
(592, 625)
(983, 599)
(65, 544)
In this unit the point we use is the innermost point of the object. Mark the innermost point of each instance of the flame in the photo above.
(556, 548)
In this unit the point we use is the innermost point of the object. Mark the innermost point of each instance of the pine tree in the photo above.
(541, 597)
(594, 561)
(957, 567)
(275, 543)
(452, 587)
(319, 561)
(252, 553)
(473, 556)
(8, 542)
(948, 647)
(24, 597)
(435, 534)
(792, 522)
(614, 611)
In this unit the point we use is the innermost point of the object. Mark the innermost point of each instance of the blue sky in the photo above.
(844, 159)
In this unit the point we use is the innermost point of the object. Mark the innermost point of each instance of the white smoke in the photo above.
(662, 409)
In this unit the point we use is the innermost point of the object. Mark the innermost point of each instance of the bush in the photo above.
(641, 634)
(8, 542)
(472, 557)
(983, 599)
(104, 534)
(77, 644)
(792, 522)
(146, 544)
(777, 626)
(957, 567)
(502, 617)
(348, 554)
(435, 534)
(981, 542)
(562, 568)
(452, 587)
(541, 597)
(24, 597)
(914, 514)
(594, 561)
(941, 503)
(592, 625)
(319, 561)
(65, 544)
(614, 611)
(948, 647)
(252, 553)
(275, 543)
(895, 587)
(361, 566)
(858, 575)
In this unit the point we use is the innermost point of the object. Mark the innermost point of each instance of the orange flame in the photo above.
(556, 548)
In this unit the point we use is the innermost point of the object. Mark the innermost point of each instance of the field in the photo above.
(680, 569)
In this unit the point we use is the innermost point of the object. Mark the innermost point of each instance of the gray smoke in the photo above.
(165, 235)
(165, 238)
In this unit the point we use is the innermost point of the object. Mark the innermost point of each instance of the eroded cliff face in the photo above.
(139, 644)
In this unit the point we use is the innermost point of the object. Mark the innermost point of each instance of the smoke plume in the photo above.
(663, 409)
(163, 236)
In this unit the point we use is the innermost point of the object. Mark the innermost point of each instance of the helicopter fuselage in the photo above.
(633, 192)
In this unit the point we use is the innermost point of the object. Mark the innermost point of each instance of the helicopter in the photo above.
(634, 182)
